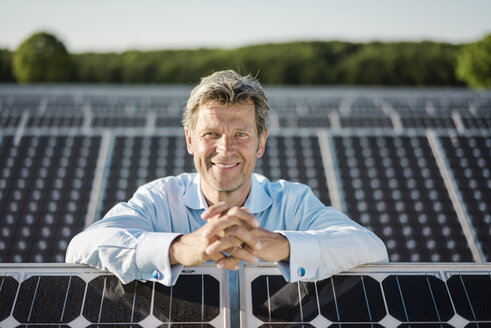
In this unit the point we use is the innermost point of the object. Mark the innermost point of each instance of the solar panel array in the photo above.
(412, 165)
(371, 296)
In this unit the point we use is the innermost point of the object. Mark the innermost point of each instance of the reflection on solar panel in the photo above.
(377, 296)
(77, 296)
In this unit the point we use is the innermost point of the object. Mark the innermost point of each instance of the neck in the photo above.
(232, 198)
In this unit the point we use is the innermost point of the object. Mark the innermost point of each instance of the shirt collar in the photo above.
(193, 197)
(257, 201)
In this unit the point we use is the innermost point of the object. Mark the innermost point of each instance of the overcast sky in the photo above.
(118, 25)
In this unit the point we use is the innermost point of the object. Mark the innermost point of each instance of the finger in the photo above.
(233, 216)
(217, 257)
(216, 226)
(214, 210)
(244, 215)
(244, 253)
(245, 235)
(230, 263)
(222, 245)
(211, 238)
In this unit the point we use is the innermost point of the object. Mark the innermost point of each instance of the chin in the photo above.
(226, 187)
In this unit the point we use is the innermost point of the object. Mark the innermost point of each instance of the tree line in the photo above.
(43, 58)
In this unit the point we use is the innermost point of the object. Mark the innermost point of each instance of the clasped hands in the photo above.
(230, 235)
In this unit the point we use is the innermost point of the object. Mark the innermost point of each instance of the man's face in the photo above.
(225, 145)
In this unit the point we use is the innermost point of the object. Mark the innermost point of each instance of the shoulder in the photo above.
(168, 184)
(282, 188)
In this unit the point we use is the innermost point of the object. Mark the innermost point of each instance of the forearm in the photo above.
(129, 254)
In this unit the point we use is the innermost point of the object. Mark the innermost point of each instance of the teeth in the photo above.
(225, 166)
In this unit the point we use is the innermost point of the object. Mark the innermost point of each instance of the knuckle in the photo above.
(234, 210)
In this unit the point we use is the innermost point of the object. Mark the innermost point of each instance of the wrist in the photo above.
(173, 250)
(285, 247)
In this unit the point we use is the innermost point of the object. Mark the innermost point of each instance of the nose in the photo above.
(225, 145)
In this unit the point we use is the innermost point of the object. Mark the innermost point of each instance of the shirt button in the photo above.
(156, 275)
(301, 272)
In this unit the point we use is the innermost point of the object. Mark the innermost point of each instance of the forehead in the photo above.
(214, 113)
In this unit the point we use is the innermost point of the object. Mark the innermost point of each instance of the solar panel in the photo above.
(393, 186)
(77, 296)
(139, 159)
(469, 158)
(296, 159)
(45, 186)
(422, 295)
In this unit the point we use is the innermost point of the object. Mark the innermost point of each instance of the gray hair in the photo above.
(228, 88)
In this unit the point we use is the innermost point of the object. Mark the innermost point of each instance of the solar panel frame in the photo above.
(438, 272)
(28, 272)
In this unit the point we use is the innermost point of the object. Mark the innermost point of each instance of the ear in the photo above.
(189, 144)
(262, 144)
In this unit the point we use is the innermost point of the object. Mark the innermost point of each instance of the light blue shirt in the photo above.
(133, 239)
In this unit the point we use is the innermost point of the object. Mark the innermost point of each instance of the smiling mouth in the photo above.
(225, 166)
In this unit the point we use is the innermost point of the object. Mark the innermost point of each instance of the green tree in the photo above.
(400, 63)
(474, 63)
(6, 66)
(97, 68)
(42, 58)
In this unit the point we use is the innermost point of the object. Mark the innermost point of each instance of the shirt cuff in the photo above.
(300, 266)
(152, 258)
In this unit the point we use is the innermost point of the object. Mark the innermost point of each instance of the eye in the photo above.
(240, 134)
(211, 134)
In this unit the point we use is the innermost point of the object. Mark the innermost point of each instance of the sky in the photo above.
(119, 25)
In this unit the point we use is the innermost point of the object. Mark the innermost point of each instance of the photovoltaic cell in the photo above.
(468, 293)
(340, 295)
(282, 325)
(115, 325)
(430, 304)
(8, 287)
(355, 325)
(186, 298)
(191, 301)
(186, 325)
(109, 301)
(162, 303)
(44, 298)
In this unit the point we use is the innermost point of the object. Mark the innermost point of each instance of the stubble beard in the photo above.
(224, 184)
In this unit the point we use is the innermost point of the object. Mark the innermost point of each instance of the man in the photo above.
(224, 213)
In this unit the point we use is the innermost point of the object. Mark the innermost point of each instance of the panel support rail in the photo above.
(329, 169)
(469, 233)
(97, 185)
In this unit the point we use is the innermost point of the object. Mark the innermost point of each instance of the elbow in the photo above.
(74, 251)
(71, 256)
(379, 251)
